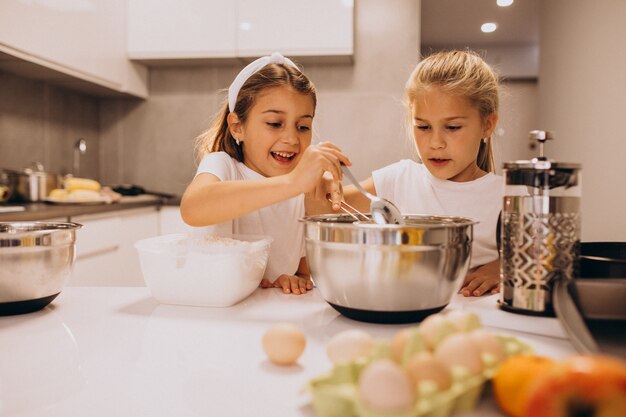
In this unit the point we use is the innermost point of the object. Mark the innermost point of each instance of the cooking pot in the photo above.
(8, 185)
(31, 185)
(388, 273)
(36, 260)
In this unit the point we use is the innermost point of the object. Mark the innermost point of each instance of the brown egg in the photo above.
(398, 342)
(284, 343)
(424, 367)
(349, 345)
(488, 343)
(459, 350)
(464, 321)
(384, 386)
(435, 328)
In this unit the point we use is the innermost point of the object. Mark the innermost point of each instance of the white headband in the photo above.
(251, 68)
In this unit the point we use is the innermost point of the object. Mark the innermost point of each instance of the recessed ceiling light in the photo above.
(504, 3)
(488, 27)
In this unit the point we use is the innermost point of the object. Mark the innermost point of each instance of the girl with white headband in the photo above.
(257, 164)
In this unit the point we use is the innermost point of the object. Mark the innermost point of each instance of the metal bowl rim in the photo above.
(457, 221)
(42, 228)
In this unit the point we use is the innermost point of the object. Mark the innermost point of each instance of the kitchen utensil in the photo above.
(132, 190)
(8, 185)
(203, 271)
(383, 211)
(600, 290)
(540, 230)
(570, 318)
(388, 273)
(603, 259)
(33, 184)
(354, 213)
(36, 261)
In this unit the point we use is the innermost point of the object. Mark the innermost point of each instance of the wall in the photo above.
(582, 98)
(360, 106)
(40, 122)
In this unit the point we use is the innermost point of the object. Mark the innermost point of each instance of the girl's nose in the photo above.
(291, 136)
(437, 141)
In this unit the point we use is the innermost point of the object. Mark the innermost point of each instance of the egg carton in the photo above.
(335, 393)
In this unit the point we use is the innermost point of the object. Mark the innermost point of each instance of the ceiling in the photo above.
(457, 22)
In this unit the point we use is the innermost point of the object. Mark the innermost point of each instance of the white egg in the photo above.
(424, 366)
(435, 328)
(349, 345)
(384, 386)
(284, 343)
(488, 343)
(459, 350)
(464, 321)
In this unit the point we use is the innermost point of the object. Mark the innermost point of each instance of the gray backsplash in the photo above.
(41, 122)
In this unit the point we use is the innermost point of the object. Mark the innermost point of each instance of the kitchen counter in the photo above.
(117, 352)
(44, 211)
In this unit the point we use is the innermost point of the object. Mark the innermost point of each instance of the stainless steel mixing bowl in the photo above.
(388, 273)
(36, 260)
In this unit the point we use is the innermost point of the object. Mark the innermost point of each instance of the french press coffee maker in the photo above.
(540, 234)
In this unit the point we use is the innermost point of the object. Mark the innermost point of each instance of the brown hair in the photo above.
(466, 74)
(218, 138)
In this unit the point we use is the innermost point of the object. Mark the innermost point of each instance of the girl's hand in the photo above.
(290, 284)
(316, 160)
(327, 189)
(485, 278)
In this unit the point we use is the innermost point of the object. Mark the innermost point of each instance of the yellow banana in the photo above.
(72, 184)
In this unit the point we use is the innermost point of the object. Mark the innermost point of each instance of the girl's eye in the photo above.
(422, 127)
(274, 124)
(304, 128)
(453, 127)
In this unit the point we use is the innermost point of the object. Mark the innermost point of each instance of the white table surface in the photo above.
(99, 351)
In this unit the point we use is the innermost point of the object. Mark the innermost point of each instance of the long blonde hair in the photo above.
(218, 137)
(466, 74)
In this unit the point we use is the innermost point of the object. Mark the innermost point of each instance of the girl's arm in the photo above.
(208, 200)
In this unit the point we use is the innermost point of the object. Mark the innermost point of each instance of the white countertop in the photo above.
(99, 351)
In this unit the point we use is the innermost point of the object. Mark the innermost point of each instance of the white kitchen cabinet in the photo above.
(205, 29)
(170, 29)
(295, 28)
(171, 222)
(61, 40)
(105, 253)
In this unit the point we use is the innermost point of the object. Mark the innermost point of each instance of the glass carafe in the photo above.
(540, 234)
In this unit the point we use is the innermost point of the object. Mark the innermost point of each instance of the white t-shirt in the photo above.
(416, 191)
(279, 220)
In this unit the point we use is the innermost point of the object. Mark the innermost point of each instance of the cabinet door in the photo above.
(83, 39)
(105, 252)
(295, 27)
(171, 222)
(181, 29)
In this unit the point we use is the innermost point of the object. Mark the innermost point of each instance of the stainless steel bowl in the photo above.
(36, 260)
(388, 273)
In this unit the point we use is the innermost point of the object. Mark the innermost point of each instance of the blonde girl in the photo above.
(257, 162)
(452, 98)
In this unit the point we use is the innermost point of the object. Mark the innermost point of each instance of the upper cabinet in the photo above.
(207, 29)
(81, 42)
(187, 29)
(295, 28)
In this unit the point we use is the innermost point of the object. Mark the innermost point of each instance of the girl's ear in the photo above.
(490, 124)
(234, 125)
